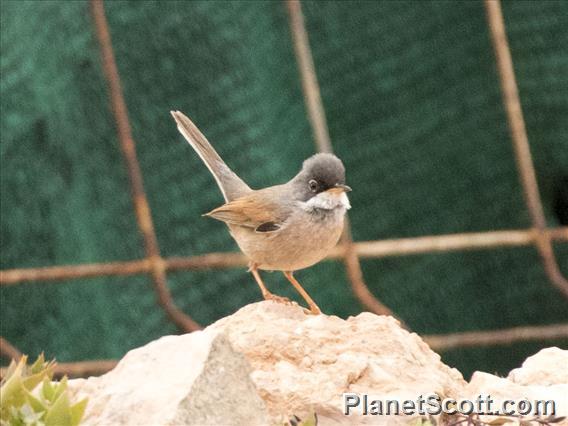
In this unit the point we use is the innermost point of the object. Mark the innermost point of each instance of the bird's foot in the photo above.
(314, 310)
(277, 299)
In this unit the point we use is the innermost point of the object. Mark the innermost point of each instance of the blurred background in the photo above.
(414, 107)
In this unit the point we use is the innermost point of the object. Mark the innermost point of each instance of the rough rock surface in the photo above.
(543, 376)
(269, 361)
(194, 379)
(304, 362)
(548, 367)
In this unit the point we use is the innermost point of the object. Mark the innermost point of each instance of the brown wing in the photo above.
(258, 210)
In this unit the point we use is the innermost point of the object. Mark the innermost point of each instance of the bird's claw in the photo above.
(277, 299)
(314, 310)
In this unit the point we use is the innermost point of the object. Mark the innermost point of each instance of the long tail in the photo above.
(230, 184)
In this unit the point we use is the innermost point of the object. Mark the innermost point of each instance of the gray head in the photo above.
(320, 172)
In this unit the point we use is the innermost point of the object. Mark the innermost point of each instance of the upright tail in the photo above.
(230, 184)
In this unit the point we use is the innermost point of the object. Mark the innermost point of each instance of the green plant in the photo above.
(310, 420)
(423, 422)
(28, 396)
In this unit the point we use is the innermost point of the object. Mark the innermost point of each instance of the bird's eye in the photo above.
(313, 185)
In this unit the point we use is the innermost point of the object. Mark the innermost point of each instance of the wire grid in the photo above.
(348, 251)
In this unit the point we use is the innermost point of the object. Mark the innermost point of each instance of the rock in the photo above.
(264, 364)
(501, 389)
(303, 362)
(269, 362)
(194, 379)
(547, 367)
(543, 376)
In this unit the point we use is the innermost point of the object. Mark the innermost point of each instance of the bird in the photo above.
(284, 227)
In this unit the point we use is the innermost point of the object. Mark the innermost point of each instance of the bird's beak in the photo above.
(339, 188)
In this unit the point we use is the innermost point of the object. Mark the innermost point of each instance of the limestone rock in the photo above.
(547, 367)
(194, 379)
(264, 364)
(303, 362)
(543, 376)
(269, 361)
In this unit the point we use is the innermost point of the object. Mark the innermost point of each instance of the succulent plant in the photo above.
(310, 420)
(28, 396)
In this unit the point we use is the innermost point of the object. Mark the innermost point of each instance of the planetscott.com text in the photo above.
(363, 404)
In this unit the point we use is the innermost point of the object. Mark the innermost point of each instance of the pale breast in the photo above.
(304, 239)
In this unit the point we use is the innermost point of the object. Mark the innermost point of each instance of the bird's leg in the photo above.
(314, 309)
(265, 293)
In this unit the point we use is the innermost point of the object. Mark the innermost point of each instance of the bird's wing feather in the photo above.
(258, 210)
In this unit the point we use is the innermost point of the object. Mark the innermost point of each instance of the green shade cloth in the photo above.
(414, 109)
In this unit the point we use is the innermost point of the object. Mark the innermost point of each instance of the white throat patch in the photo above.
(327, 201)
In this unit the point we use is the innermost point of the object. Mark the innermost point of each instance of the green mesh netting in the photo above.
(414, 109)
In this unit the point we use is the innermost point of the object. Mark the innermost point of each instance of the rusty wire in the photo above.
(9, 351)
(79, 368)
(520, 140)
(84, 368)
(128, 147)
(349, 251)
(364, 250)
(446, 342)
(439, 343)
(316, 114)
(69, 272)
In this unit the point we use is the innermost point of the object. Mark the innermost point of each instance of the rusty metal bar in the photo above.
(454, 242)
(364, 249)
(447, 342)
(79, 368)
(127, 144)
(135, 267)
(207, 261)
(355, 275)
(9, 351)
(310, 86)
(318, 122)
(441, 342)
(520, 140)
(84, 368)
(69, 272)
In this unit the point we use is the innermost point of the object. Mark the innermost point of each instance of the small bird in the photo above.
(283, 227)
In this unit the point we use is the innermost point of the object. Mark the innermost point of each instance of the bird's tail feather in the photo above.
(230, 184)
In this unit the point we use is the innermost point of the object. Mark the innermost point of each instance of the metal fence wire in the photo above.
(348, 251)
